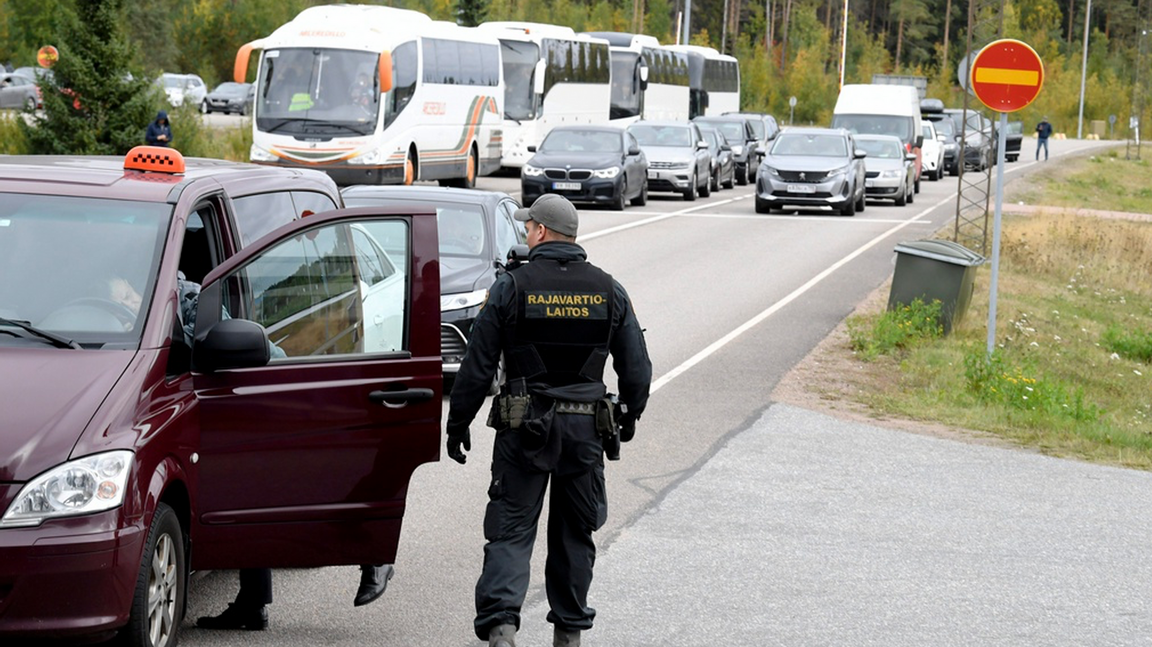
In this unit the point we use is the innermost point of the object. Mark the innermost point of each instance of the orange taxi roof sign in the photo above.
(156, 159)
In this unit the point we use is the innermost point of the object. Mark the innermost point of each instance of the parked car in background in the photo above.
(127, 441)
(812, 168)
(590, 164)
(723, 167)
(979, 135)
(181, 88)
(932, 151)
(678, 157)
(229, 97)
(19, 92)
(946, 133)
(763, 124)
(742, 138)
(476, 232)
(35, 73)
(1013, 138)
(889, 169)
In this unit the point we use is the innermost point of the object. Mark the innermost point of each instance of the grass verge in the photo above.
(1070, 373)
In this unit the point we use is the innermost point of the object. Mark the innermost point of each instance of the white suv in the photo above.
(183, 87)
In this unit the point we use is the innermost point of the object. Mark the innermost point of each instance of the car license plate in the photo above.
(653, 175)
(868, 184)
(566, 186)
(800, 188)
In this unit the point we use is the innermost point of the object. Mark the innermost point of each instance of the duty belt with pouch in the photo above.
(509, 409)
(607, 426)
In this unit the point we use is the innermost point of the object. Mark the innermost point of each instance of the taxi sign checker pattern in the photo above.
(1007, 75)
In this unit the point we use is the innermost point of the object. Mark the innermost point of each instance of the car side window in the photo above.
(311, 201)
(336, 290)
(507, 231)
(259, 214)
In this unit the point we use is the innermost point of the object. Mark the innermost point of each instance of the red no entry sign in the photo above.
(1007, 75)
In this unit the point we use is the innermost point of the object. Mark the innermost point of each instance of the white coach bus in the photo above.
(552, 77)
(714, 80)
(649, 81)
(377, 95)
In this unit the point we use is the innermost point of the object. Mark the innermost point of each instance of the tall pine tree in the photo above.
(92, 106)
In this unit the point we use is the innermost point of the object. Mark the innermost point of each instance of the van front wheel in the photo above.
(158, 603)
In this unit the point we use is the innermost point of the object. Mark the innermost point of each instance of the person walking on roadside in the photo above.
(1043, 132)
(555, 320)
(159, 132)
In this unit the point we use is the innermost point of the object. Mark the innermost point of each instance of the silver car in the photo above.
(812, 168)
(18, 91)
(678, 157)
(889, 171)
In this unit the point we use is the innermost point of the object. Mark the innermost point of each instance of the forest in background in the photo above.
(786, 47)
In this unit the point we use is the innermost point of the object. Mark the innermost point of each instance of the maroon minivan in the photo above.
(274, 422)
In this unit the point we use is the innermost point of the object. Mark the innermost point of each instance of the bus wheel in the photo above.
(409, 169)
(470, 171)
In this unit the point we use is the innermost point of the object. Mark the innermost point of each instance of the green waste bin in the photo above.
(932, 270)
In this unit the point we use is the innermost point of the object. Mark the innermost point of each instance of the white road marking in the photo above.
(771, 310)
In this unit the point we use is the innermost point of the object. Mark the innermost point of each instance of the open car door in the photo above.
(317, 372)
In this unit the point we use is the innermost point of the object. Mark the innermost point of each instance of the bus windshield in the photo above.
(519, 65)
(318, 91)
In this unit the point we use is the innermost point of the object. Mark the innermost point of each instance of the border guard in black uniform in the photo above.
(555, 320)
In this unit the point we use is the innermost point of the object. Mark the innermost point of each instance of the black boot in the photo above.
(237, 617)
(373, 581)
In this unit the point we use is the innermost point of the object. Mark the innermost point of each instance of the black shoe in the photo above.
(237, 617)
(373, 581)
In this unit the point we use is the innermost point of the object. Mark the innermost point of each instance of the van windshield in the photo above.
(82, 268)
(895, 125)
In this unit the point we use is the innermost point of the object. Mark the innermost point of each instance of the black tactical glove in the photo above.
(459, 437)
(627, 429)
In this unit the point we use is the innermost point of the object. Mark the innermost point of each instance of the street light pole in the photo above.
(843, 45)
(1083, 71)
(687, 21)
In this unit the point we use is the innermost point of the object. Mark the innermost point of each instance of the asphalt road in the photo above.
(736, 521)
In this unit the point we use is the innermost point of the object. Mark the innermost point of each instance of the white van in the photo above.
(869, 109)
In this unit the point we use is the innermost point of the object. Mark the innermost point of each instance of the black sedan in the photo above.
(592, 164)
(229, 97)
(476, 232)
(812, 168)
(1012, 140)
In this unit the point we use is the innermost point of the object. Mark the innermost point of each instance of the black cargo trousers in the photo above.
(577, 505)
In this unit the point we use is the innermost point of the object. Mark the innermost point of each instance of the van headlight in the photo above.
(83, 486)
(606, 173)
(449, 302)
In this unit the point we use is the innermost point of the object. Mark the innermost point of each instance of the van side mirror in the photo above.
(910, 157)
(231, 343)
(919, 141)
(701, 145)
(532, 149)
(859, 154)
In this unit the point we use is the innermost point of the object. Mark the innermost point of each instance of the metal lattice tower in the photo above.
(974, 194)
(1139, 81)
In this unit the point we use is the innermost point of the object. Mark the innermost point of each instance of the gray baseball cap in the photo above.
(554, 212)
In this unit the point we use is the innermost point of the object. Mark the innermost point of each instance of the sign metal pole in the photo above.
(994, 281)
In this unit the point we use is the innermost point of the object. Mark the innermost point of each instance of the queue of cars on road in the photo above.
(310, 297)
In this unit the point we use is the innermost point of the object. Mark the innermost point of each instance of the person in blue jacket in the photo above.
(159, 132)
(1043, 132)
